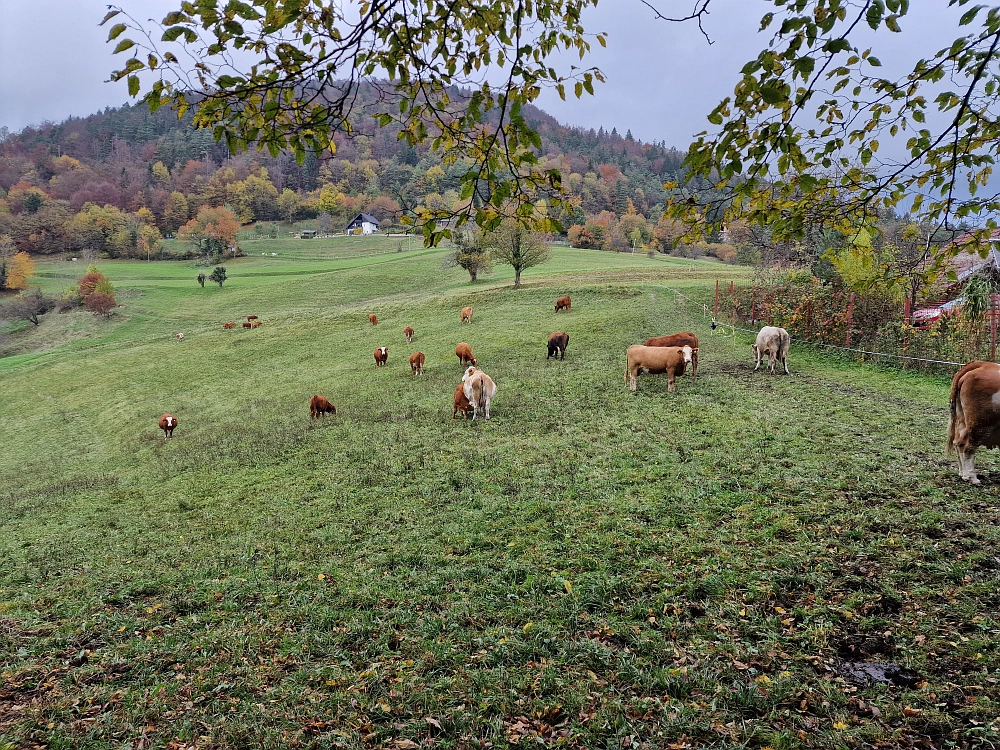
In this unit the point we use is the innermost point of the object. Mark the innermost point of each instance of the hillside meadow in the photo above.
(754, 561)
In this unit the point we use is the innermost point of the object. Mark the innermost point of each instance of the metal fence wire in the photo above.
(864, 325)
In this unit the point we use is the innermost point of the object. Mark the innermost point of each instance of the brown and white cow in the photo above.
(230, 324)
(408, 333)
(381, 355)
(656, 360)
(167, 423)
(774, 342)
(373, 319)
(417, 363)
(564, 303)
(179, 336)
(480, 390)
(319, 405)
(255, 324)
(248, 324)
(466, 314)
(251, 317)
(975, 415)
(464, 353)
(679, 339)
(460, 402)
(558, 342)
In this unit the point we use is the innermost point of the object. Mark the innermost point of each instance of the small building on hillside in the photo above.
(308, 234)
(362, 224)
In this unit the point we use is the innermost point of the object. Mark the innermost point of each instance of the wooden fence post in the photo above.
(753, 308)
(906, 326)
(994, 312)
(715, 311)
(809, 314)
(850, 319)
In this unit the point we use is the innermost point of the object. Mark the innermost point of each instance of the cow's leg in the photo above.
(631, 382)
(772, 358)
(784, 361)
(756, 354)
(487, 408)
(670, 381)
(694, 364)
(967, 465)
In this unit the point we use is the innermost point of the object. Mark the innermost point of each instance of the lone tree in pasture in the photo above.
(201, 279)
(213, 231)
(516, 246)
(27, 307)
(100, 304)
(471, 254)
(218, 276)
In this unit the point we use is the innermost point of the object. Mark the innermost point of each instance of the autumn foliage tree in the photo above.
(213, 231)
(100, 303)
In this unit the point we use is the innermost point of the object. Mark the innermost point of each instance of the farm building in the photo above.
(308, 234)
(362, 224)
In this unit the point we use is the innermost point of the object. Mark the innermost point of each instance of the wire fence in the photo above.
(861, 327)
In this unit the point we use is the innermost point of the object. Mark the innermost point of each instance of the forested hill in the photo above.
(131, 159)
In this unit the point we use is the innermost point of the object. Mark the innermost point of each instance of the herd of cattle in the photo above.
(974, 404)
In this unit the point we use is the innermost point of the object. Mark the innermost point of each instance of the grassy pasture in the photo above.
(591, 568)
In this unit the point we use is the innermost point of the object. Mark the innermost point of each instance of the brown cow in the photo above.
(480, 390)
(564, 303)
(461, 402)
(381, 355)
(167, 423)
(417, 363)
(255, 324)
(679, 339)
(558, 342)
(464, 353)
(251, 317)
(248, 324)
(656, 360)
(230, 324)
(408, 332)
(319, 405)
(975, 417)
(373, 319)
(466, 314)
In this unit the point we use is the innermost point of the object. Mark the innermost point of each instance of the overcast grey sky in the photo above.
(663, 78)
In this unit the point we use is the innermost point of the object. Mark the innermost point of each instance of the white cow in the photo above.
(774, 342)
(479, 389)
(180, 336)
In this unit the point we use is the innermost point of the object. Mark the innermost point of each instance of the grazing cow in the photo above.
(461, 402)
(180, 336)
(408, 332)
(230, 324)
(417, 363)
(251, 317)
(167, 423)
(564, 303)
(464, 353)
(679, 339)
(656, 360)
(381, 355)
(975, 415)
(255, 324)
(480, 390)
(319, 405)
(773, 342)
(558, 342)
(248, 324)
(373, 319)
(466, 314)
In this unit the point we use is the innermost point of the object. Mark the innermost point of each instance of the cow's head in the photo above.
(469, 373)
(687, 351)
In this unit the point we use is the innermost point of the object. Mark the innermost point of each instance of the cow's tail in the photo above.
(784, 345)
(953, 408)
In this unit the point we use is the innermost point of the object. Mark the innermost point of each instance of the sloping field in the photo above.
(753, 561)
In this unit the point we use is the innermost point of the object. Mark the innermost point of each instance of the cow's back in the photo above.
(675, 339)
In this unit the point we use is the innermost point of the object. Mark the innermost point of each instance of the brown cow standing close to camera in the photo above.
(464, 353)
(319, 405)
(679, 339)
(167, 423)
(558, 342)
(373, 319)
(417, 363)
(564, 303)
(408, 332)
(656, 360)
(975, 415)
(381, 355)
(466, 314)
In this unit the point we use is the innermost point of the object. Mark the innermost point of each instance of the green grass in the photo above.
(589, 568)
